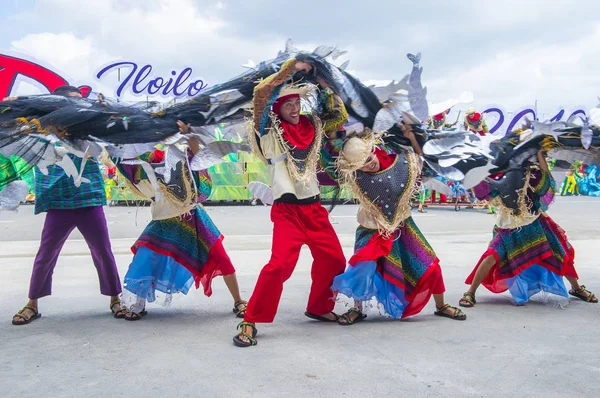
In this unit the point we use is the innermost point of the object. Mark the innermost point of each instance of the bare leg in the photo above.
(441, 303)
(574, 283)
(482, 271)
(443, 308)
(232, 285)
(468, 298)
(439, 300)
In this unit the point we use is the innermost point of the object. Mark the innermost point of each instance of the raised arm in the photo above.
(541, 155)
(408, 133)
(263, 92)
(192, 141)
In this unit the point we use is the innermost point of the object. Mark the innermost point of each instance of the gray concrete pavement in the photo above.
(78, 350)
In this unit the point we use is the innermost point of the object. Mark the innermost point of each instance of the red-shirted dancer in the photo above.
(290, 143)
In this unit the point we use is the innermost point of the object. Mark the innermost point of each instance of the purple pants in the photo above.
(58, 226)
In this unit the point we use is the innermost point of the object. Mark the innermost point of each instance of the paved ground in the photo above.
(78, 350)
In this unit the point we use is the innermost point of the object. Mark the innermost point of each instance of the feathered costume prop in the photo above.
(32, 126)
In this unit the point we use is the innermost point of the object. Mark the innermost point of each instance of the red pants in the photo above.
(294, 226)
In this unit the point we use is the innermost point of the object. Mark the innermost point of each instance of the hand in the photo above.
(10, 98)
(184, 128)
(303, 66)
(102, 99)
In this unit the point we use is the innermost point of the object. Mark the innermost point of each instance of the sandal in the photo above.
(134, 316)
(322, 318)
(120, 314)
(458, 315)
(346, 317)
(590, 298)
(26, 319)
(467, 300)
(251, 339)
(239, 308)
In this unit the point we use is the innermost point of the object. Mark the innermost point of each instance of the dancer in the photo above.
(529, 252)
(439, 122)
(475, 122)
(69, 207)
(181, 245)
(392, 262)
(290, 142)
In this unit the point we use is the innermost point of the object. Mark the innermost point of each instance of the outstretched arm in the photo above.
(541, 155)
(408, 133)
(192, 141)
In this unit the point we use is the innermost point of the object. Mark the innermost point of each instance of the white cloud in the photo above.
(556, 75)
(73, 58)
(167, 33)
(523, 65)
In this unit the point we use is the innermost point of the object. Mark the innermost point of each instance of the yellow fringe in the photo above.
(183, 205)
(523, 211)
(161, 113)
(130, 185)
(371, 138)
(32, 125)
(310, 165)
(191, 195)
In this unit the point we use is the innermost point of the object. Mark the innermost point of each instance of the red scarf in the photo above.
(300, 135)
(385, 159)
(474, 117)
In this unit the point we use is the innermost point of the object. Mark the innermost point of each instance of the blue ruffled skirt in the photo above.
(533, 280)
(150, 272)
(363, 282)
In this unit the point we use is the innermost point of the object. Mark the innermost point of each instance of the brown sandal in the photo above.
(134, 316)
(467, 300)
(590, 298)
(120, 314)
(239, 308)
(458, 315)
(251, 338)
(345, 320)
(26, 319)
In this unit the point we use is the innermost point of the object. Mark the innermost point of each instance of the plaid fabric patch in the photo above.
(57, 191)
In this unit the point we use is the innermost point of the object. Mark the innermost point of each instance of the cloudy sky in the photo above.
(508, 53)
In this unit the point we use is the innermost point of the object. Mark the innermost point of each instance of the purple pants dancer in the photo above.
(59, 224)
(69, 207)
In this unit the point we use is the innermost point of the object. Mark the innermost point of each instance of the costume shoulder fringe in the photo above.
(384, 227)
(310, 170)
(523, 213)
